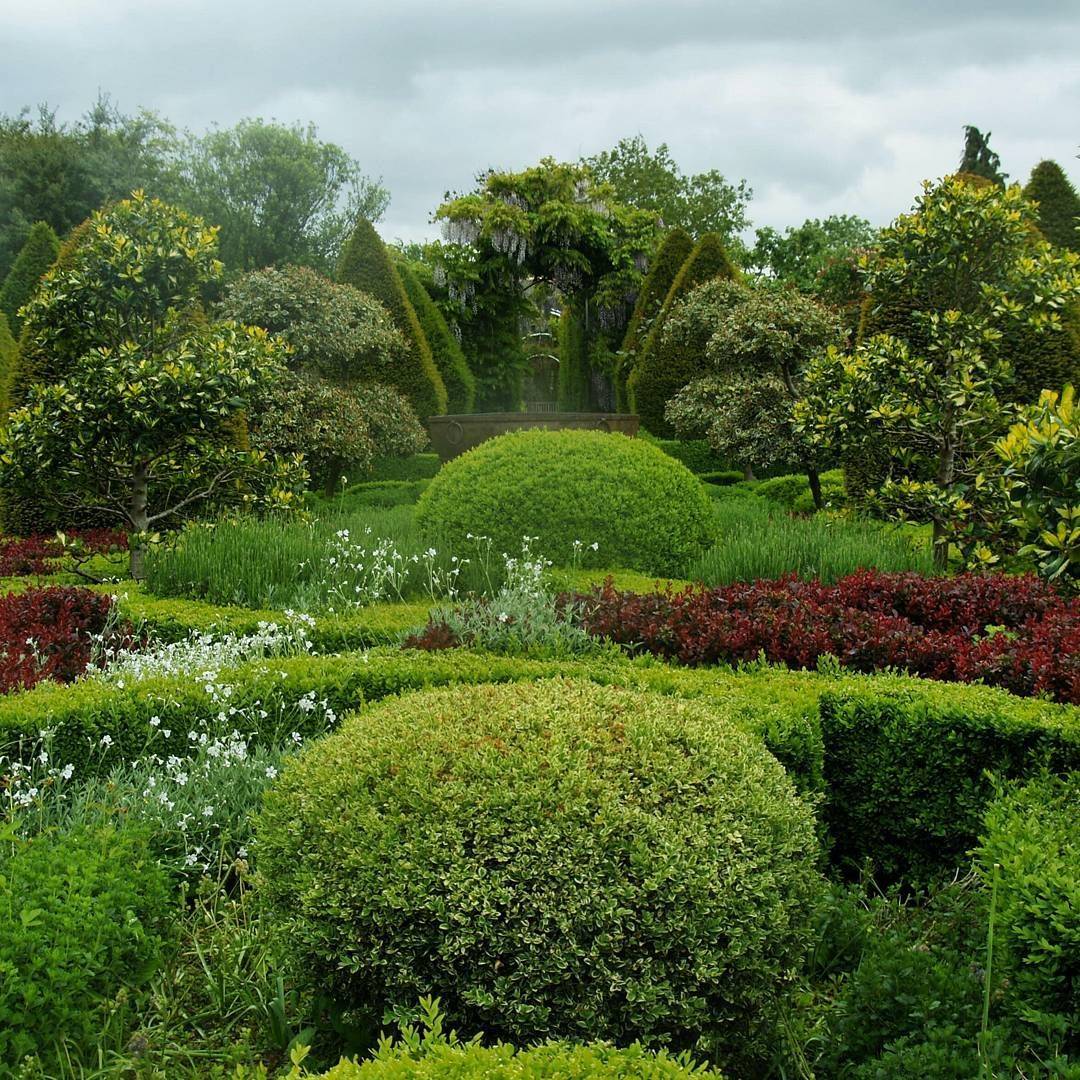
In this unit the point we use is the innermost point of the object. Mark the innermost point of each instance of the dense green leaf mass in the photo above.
(560, 860)
(8, 348)
(1059, 205)
(573, 360)
(82, 916)
(37, 255)
(449, 359)
(1031, 834)
(366, 265)
(504, 1062)
(643, 510)
(666, 366)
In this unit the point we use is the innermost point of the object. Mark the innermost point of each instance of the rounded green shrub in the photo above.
(558, 860)
(643, 510)
(81, 917)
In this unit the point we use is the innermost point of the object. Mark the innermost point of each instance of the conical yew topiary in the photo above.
(1059, 204)
(8, 349)
(657, 376)
(449, 359)
(37, 255)
(674, 250)
(366, 265)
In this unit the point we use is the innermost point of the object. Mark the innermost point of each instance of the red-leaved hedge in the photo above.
(20, 556)
(48, 634)
(1012, 632)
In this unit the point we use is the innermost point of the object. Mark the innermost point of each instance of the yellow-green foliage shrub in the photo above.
(560, 860)
(644, 510)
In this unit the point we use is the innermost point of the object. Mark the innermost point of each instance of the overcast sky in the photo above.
(822, 107)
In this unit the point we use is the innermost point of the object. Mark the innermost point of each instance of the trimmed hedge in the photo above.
(881, 746)
(415, 467)
(667, 363)
(792, 491)
(38, 253)
(173, 619)
(696, 454)
(82, 916)
(366, 265)
(907, 764)
(549, 1060)
(449, 359)
(1032, 835)
(644, 511)
(501, 847)
(8, 349)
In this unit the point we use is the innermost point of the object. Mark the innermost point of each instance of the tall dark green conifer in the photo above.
(674, 250)
(37, 255)
(1059, 204)
(7, 363)
(449, 359)
(656, 378)
(573, 360)
(366, 265)
(979, 159)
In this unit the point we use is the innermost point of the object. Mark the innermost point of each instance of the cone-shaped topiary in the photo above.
(1059, 204)
(643, 509)
(366, 265)
(37, 255)
(674, 250)
(8, 349)
(573, 360)
(449, 359)
(554, 860)
(658, 377)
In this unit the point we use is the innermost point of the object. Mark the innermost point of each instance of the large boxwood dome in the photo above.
(551, 860)
(643, 509)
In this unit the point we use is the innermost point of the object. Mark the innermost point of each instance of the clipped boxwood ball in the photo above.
(644, 510)
(554, 860)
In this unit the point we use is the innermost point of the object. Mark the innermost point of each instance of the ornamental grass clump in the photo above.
(643, 510)
(555, 861)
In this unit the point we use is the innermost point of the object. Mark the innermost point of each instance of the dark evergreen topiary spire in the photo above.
(1059, 205)
(655, 379)
(366, 265)
(37, 255)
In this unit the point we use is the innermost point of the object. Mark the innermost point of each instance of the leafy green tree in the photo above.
(37, 255)
(967, 251)
(1058, 202)
(772, 333)
(673, 251)
(449, 358)
(366, 265)
(332, 330)
(60, 174)
(978, 159)
(573, 360)
(137, 419)
(651, 180)
(550, 228)
(1040, 459)
(669, 361)
(816, 256)
(279, 192)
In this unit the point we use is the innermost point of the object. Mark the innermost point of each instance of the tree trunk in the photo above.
(815, 487)
(748, 472)
(138, 520)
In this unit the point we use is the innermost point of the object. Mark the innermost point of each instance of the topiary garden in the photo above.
(747, 747)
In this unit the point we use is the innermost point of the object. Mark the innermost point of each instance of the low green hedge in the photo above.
(81, 918)
(559, 860)
(907, 763)
(416, 467)
(903, 760)
(696, 454)
(173, 619)
(793, 491)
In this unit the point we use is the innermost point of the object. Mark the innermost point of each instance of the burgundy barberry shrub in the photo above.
(50, 633)
(20, 556)
(1012, 632)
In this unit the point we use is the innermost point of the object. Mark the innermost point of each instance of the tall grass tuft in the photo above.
(757, 540)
